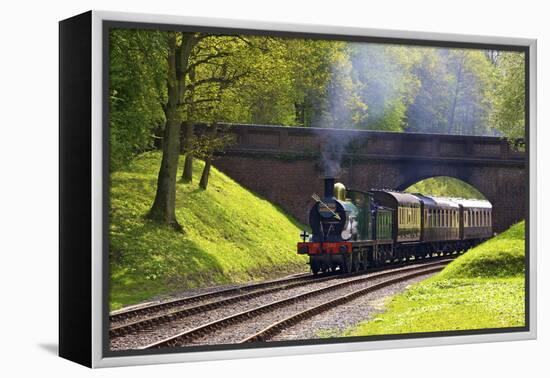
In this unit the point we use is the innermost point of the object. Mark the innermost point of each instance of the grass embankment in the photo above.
(483, 288)
(445, 186)
(231, 235)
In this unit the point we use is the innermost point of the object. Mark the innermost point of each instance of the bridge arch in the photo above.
(454, 188)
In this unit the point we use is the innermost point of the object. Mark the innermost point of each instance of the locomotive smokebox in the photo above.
(329, 187)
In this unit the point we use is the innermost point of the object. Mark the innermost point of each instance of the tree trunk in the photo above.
(205, 173)
(189, 134)
(455, 98)
(187, 175)
(164, 205)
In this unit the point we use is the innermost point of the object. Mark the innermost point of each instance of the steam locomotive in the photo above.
(353, 230)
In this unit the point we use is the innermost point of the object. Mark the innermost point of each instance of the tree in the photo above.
(180, 46)
(455, 94)
(344, 107)
(387, 85)
(473, 80)
(137, 88)
(212, 141)
(509, 114)
(216, 65)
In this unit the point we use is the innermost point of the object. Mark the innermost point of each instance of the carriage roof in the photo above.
(472, 203)
(402, 199)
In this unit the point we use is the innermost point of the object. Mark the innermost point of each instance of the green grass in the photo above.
(483, 288)
(445, 186)
(230, 235)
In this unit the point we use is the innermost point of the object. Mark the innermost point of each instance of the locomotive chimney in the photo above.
(329, 187)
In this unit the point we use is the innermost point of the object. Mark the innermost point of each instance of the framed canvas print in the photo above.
(233, 189)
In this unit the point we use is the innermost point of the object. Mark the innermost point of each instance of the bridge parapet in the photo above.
(300, 141)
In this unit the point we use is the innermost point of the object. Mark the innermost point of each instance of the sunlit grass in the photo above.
(445, 186)
(230, 235)
(482, 289)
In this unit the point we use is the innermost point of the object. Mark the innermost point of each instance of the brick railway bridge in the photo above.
(283, 164)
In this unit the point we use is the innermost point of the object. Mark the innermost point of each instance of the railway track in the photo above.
(230, 328)
(177, 310)
(123, 315)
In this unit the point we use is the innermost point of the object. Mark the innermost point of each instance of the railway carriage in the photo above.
(406, 222)
(440, 223)
(476, 220)
(353, 229)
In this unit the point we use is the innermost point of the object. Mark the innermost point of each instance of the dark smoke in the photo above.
(334, 145)
(332, 151)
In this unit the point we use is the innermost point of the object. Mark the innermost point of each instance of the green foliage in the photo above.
(343, 107)
(209, 143)
(228, 236)
(484, 288)
(509, 115)
(456, 92)
(383, 72)
(445, 186)
(137, 74)
(307, 82)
